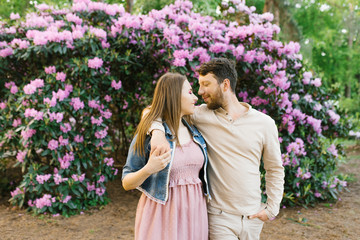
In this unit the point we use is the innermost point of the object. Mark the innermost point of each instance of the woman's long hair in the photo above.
(166, 104)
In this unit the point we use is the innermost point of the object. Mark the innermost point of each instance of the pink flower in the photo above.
(17, 191)
(27, 133)
(77, 103)
(179, 62)
(332, 149)
(116, 85)
(14, 16)
(53, 144)
(101, 179)
(90, 187)
(63, 141)
(109, 161)
(14, 89)
(29, 89)
(98, 33)
(45, 201)
(6, 52)
(43, 178)
(56, 116)
(95, 63)
(66, 160)
(218, 48)
(79, 139)
(61, 76)
(50, 70)
(66, 128)
(100, 191)
(67, 198)
(334, 118)
(108, 98)
(16, 122)
(316, 82)
(20, 156)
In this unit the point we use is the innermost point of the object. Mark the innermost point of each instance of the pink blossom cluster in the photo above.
(43, 178)
(302, 175)
(45, 201)
(14, 16)
(98, 32)
(74, 18)
(334, 118)
(6, 52)
(66, 127)
(78, 178)
(116, 85)
(17, 191)
(33, 86)
(101, 134)
(19, 43)
(60, 76)
(95, 63)
(79, 139)
(31, 112)
(95, 121)
(50, 70)
(16, 122)
(59, 179)
(66, 160)
(332, 149)
(58, 117)
(77, 104)
(63, 141)
(297, 147)
(100, 191)
(28, 133)
(90, 187)
(109, 161)
(315, 123)
(53, 144)
(66, 199)
(20, 156)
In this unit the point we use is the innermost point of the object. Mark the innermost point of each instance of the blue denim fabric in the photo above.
(156, 185)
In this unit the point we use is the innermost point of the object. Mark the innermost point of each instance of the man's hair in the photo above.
(222, 68)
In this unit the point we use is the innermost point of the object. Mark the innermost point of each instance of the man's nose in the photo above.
(200, 92)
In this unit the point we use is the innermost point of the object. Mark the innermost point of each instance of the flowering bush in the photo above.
(75, 81)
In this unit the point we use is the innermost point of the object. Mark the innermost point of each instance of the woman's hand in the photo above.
(157, 161)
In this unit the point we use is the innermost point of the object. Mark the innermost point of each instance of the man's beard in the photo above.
(216, 100)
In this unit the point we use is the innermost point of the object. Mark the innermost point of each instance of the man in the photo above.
(238, 137)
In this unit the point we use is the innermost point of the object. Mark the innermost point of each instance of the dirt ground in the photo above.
(340, 220)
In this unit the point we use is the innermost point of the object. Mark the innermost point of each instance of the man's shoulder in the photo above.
(261, 116)
(202, 109)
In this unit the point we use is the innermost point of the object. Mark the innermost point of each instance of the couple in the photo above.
(178, 171)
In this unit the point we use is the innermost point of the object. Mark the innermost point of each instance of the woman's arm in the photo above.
(155, 164)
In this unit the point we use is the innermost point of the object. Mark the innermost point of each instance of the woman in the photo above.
(173, 205)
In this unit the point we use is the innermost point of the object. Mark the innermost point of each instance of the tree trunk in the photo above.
(129, 5)
(351, 29)
(283, 19)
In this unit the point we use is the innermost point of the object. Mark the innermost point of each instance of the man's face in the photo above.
(210, 91)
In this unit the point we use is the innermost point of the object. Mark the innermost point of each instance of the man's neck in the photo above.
(233, 107)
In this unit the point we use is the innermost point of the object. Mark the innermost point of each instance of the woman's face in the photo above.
(188, 99)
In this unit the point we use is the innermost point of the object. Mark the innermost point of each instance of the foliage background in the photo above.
(132, 57)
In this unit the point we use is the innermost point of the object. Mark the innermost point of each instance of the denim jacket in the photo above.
(156, 186)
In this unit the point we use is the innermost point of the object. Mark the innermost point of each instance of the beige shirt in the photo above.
(235, 149)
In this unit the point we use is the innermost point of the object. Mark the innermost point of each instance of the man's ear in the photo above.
(226, 85)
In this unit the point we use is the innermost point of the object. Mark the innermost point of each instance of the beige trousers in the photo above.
(226, 226)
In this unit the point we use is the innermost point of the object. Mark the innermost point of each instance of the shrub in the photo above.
(75, 81)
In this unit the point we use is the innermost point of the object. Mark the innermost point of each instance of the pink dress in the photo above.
(184, 216)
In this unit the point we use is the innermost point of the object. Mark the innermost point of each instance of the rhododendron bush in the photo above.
(74, 81)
